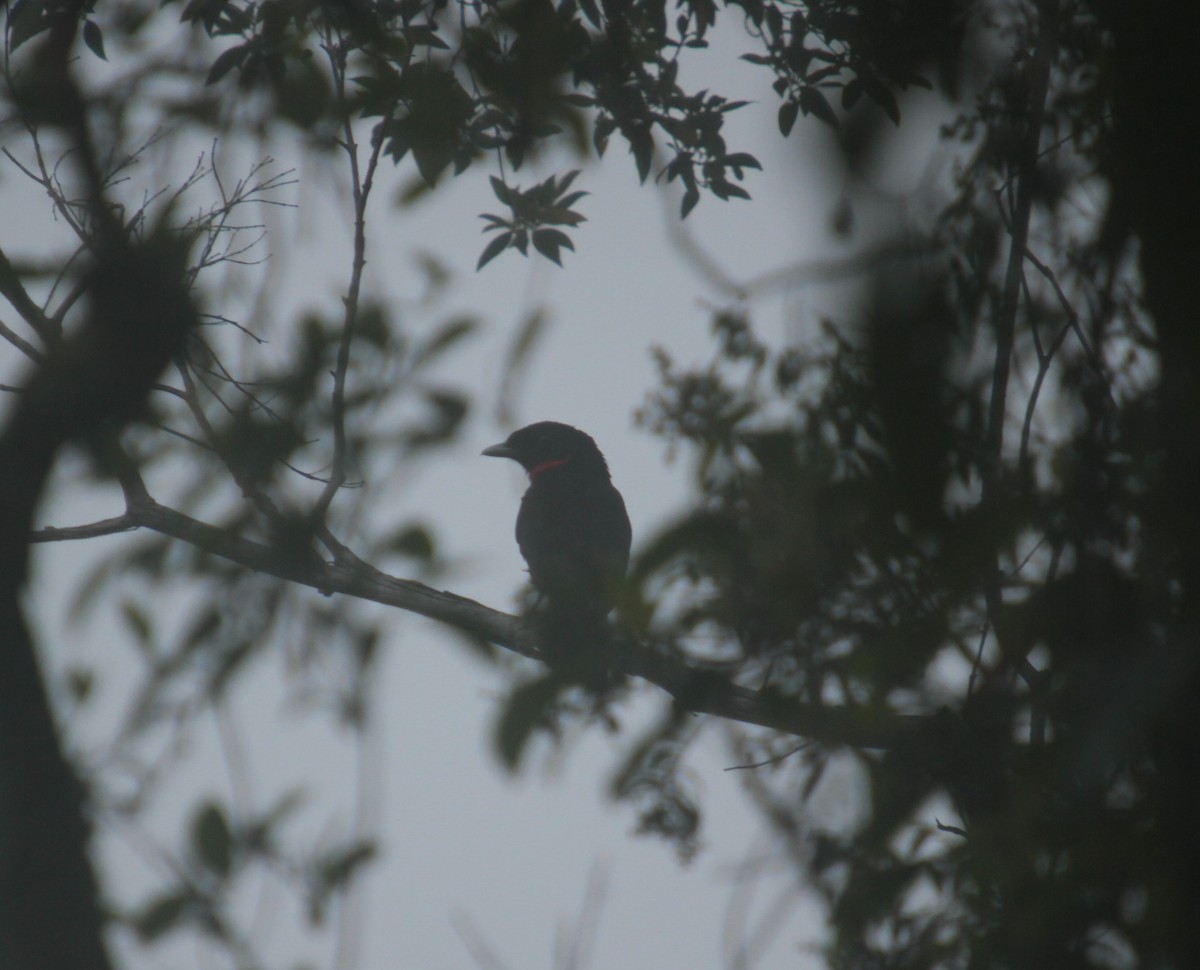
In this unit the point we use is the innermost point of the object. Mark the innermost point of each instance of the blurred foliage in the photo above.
(967, 507)
(973, 506)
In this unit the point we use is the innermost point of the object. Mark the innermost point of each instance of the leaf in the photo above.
(788, 112)
(690, 198)
(549, 241)
(851, 93)
(137, 622)
(605, 126)
(26, 19)
(564, 182)
(493, 249)
(226, 62)
(775, 21)
(878, 91)
(529, 707)
(201, 628)
(94, 39)
(336, 867)
(412, 542)
(558, 216)
(445, 338)
(502, 191)
(741, 160)
(212, 841)
(566, 201)
(80, 682)
(591, 10)
(160, 916)
(813, 102)
(642, 146)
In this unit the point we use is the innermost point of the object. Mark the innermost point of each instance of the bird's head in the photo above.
(546, 445)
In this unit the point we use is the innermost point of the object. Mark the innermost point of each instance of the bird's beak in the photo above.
(501, 450)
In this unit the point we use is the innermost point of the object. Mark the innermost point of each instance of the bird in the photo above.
(574, 534)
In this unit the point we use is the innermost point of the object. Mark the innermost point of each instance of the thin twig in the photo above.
(771, 761)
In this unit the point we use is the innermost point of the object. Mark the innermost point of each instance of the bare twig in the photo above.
(771, 761)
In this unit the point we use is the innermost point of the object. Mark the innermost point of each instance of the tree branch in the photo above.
(1038, 75)
(92, 530)
(14, 291)
(360, 184)
(697, 691)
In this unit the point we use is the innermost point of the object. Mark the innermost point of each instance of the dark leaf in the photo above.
(813, 101)
(741, 160)
(338, 866)
(642, 146)
(413, 542)
(80, 683)
(26, 19)
(591, 10)
(160, 916)
(569, 200)
(549, 241)
(494, 249)
(690, 198)
(558, 216)
(879, 92)
(138, 622)
(851, 93)
(788, 112)
(226, 62)
(501, 191)
(212, 842)
(529, 707)
(562, 184)
(94, 39)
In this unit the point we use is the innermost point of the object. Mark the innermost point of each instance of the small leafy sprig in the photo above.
(533, 213)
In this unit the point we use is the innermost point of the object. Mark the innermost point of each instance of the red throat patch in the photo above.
(537, 471)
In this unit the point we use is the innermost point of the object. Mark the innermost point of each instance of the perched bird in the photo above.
(572, 530)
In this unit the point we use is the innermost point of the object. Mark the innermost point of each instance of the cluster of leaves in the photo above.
(870, 539)
(518, 75)
(450, 86)
(219, 853)
(546, 204)
(832, 45)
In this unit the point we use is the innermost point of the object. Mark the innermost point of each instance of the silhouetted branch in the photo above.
(697, 691)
